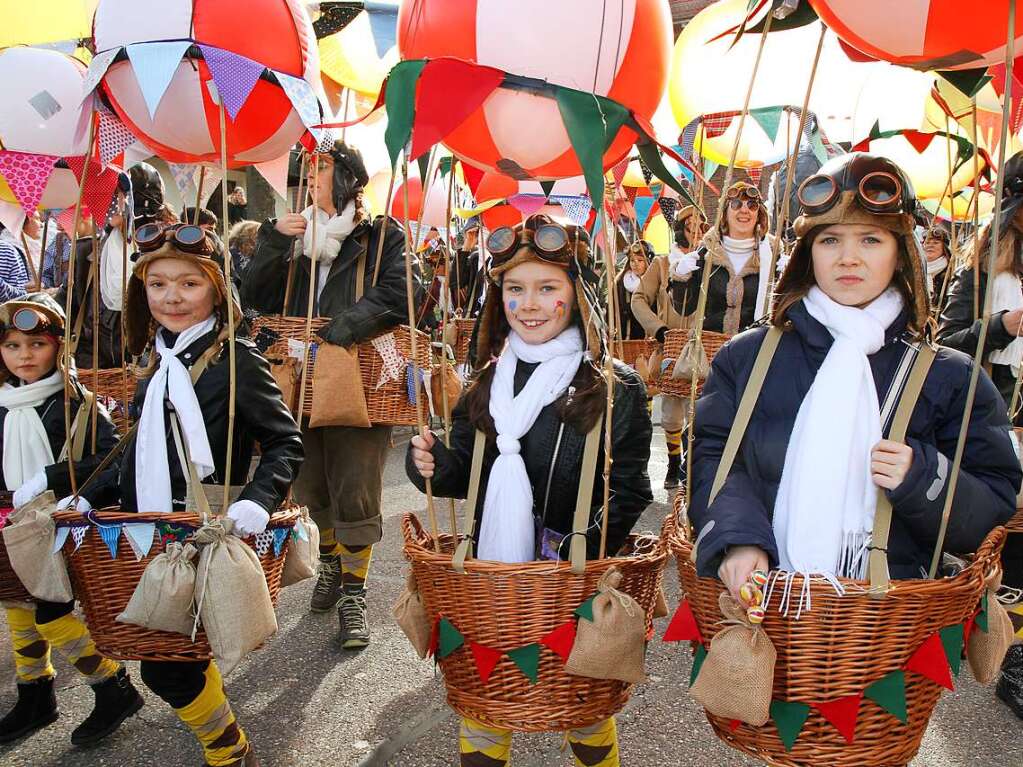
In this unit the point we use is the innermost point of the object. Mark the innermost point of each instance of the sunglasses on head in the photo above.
(550, 241)
(185, 237)
(877, 192)
(738, 202)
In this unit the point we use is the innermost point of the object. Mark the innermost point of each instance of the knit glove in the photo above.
(249, 517)
(686, 264)
(338, 332)
(34, 486)
(83, 506)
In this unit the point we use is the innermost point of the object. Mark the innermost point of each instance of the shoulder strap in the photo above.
(464, 549)
(76, 332)
(360, 267)
(878, 564)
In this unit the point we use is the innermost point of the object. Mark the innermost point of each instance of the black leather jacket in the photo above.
(260, 417)
(381, 308)
(553, 453)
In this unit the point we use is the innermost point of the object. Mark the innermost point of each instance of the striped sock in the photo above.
(211, 720)
(596, 745)
(483, 746)
(355, 564)
(673, 439)
(69, 636)
(31, 650)
(329, 547)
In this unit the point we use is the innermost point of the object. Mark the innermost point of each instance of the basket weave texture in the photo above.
(104, 584)
(112, 384)
(674, 342)
(840, 647)
(505, 606)
(463, 336)
(10, 585)
(388, 405)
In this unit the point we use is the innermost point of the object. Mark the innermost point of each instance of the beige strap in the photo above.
(80, 319)
(464, 548)
(198, 492)
(81, 427)
(878, 564)
(584, 500)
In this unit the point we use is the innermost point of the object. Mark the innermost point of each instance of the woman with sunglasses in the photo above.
(653, 306)
(176, 318)
(537, 395)
(802, 492)
(34, 457)
(739, 254)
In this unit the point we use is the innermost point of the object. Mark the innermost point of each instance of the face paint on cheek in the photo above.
(512, 305)
(559, 308)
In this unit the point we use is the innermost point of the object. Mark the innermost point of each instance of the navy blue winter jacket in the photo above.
(741, 514)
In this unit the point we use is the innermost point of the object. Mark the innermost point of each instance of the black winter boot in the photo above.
(116, 700)
(36, 707)
(1010, 683)
(671, 479)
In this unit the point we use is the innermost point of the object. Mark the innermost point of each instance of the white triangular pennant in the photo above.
(155, 65)
(59, 538)
(209, 183)
(275, 172)
(136, 153)
(140, 537)
(78, 535)
(12, 216)
(100, 63)
(302, 98)
(182, 174)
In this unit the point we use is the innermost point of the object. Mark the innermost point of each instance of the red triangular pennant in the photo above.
(66, 221)
(968, 627)
(473, 176)
(100, 186)
(561, 639)
(842, 714)
(618, 171)
(735, 724)
(683, 626)
(437, 113)
(486, 659)
(918, 139)
(930, 661)
(434, 638)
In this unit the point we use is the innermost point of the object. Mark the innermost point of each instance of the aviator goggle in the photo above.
(550, 241)
(187, 238)
(29, 321)
(878, 187)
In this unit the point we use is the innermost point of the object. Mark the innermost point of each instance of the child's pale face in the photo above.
(30, 357)
(179, 293)
(538, 300)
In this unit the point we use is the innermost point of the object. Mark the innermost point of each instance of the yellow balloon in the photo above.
(961, 207)
(52, 21)
(658, 234)
(350, 58)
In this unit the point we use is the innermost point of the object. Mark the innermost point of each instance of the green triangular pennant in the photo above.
(648, 154)
(548, 187)
(967, 81)
(889, 692)
(449, 638)
(789, 718)
(952, 641)
(981, 619)
(817, 144)
(768, 118)
(444, 165)
(585, 610)
(423, 161)
(592, 122)
(400, 100)
(527, 659)
(698, 658)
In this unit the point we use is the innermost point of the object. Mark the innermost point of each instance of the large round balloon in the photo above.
(186, 124)
(923, 34)
(621, 53)
(41, 112)
(435, 212)
(351, 59)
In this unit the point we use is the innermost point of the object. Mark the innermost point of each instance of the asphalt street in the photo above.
(304, 703)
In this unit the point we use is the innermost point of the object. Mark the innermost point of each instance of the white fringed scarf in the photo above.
(26, 445)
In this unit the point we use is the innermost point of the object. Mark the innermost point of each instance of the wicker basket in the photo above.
(1015, 525)
(10, 585)
(630, 351)
(115, 387)
(839, 648)
(674, 342)
(388, 405)
(508, 606)
(104, 584)
(463, 336)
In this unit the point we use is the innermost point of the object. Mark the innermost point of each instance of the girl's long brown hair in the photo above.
(1010, 250)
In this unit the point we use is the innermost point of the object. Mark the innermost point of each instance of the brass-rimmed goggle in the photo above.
(185, 237)
(550, 241)
(877, 192)
(29, 320)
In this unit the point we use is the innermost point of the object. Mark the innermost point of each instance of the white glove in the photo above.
(249, 517)
(32, 487)
(686, 264)
(83, 506)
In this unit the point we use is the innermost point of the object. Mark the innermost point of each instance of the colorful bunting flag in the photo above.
(264, 540)
(114, 137)
(789, 718)
(952, 638)
(577, 208)
(280, 536)
(699, 656)
(585, 610)
(754, 175)
(110, 534)
(669, 208)
(100, 185)
(982, 617)
(688, 139)
(644, 207)
(400, 99)
(383, 24)
(768, 118)
(78, 535)
(12, 215)
(27, 175)
(434, 639)
(592, 123)
(561, 639)
(683, 626)
(619, 170)
(302, 98)
(182, 173)
(486, 659)
(527, 204)
(140, 536)
(275, 173)
(929, 661)
(154, 65)
(889, 692)
(842, 714)
(449, 638)
(717, 123)
(527, 659)
(97, 68)
(234, 75)
(59, 538)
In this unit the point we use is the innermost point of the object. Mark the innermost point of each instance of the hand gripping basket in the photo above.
(10, 585)
(508, 606)
(389, 403)
(104, 583)
(674, 342)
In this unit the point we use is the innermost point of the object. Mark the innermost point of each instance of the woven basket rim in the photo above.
(281, 518)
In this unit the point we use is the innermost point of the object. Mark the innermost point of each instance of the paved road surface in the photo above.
(305, 704)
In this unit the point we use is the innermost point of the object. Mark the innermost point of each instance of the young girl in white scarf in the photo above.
(536, 396)
(35, 460)
(801, 494)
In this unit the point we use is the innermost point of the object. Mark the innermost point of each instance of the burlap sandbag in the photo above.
(737, 676)
(163, 598)
(231, 595)
(338, 397)
(29, 536)
(613, 644)
(303, 553)
(411, 617)
(287, 374)
(986, 649)
(692, 360)
(661, 605)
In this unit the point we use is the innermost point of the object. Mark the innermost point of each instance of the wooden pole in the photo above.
(232, 370)
(94, 268)
(198, 198)
(976, 211)
(42, 250)
(609, 369)
(314, 158)
(299, 200)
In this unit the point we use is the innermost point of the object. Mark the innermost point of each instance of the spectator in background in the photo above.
(14, 279)
(237, 205)
(241, 241)
(207, 219)
(167, 216)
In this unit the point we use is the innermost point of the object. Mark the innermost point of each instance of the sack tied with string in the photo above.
(411, 617)
(163, 599)
(737, 676)
(691, 361)
(231, 595)
(303, 553)
(986, 648)
(29, 535)
(338, 396)
(613, 644)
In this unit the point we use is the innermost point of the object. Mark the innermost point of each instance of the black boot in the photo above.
(671, 479)
(36, 707)
(1010, 683)
(116, 700)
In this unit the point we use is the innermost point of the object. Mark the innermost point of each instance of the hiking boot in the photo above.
(351, 612)
(327, 592)
(1010, 684)
(36, 707)
(671, 479)
(116, 700)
